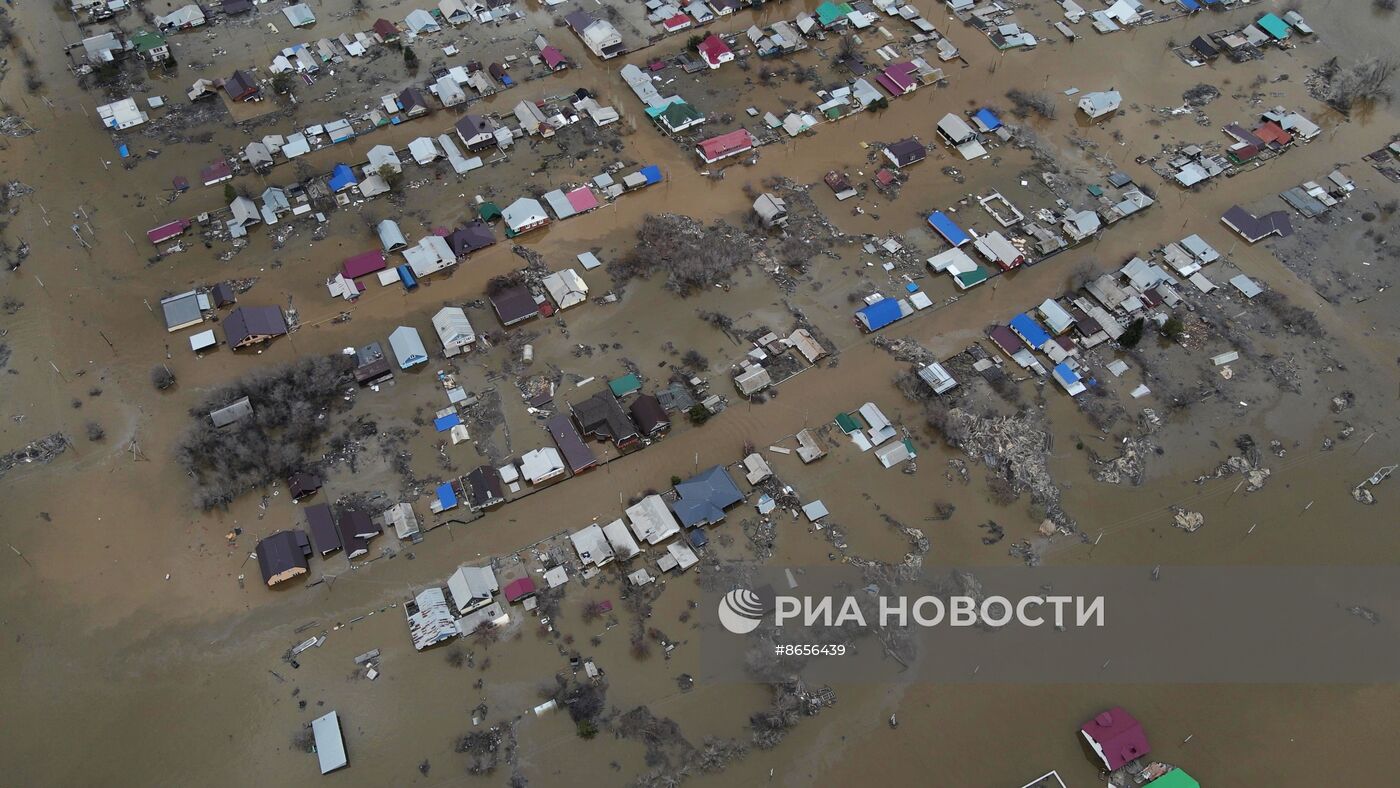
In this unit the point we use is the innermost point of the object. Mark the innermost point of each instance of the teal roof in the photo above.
(1274, 26)
(1175, 778)
(971, 278)
(625, 385)
(675, 115)
(145, 41)
(829, 12)
(847, 423)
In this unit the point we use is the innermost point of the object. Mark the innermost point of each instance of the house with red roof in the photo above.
(363, 264)
(582, 200)
(518, 589)
(677, 23)
(714, 51)
(554, 59)
(725, 145)
(1116, 737)
(386, 30)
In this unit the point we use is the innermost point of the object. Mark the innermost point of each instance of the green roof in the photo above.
(847, 423)
(676, 114)
(145, 41)
(488, 211)
(1175, 778)
(1096, 190)
(829, 12)
(971, 278)
(1273, 26)
(625, 385)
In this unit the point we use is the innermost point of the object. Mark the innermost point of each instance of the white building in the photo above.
(471, 587)
(454, 330)
(652, 521)
(1100, 103)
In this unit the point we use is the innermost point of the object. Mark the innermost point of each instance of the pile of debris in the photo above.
(1016, 443)
(1187, 520)
(42, 450)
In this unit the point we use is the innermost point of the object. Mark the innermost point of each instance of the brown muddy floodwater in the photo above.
(139, 647)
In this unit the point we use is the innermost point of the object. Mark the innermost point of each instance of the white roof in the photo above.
(682, 557)
(390, 236)
(566, 288)
(381, 155)
(541, 464)
(620, 539)
(431, 254)
(1100, 103)
(453, 328)
(592, 546)
(471, 587)
(815, 511)
(955, 128)
(524, 211)
(433, 623)
(955, 261)
(423, 150)
(1055, 316)
(893, 454)
(652, 521)
(299, 15)
(407, 346)
(881, 429)
(330, 745)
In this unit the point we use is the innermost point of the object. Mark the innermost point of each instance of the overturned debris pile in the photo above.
(691, 255)
(41, 451)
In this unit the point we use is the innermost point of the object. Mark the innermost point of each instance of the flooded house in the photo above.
(283, 555)
(484, 488)
(566, 436)
(252, 325)
(325, 534)
(601, 417)
(1116, 737)
(649, 416)
(704, 497)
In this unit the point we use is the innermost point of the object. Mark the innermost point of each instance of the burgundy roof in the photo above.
(1118, 735)
(363, 263)
(385, 28)
(167, 231)
(713, 47)
(1006, 339)
(519, 588)
(582, 199)
(552, 57)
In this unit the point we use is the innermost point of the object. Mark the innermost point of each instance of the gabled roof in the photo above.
(253, 321)
(705, 496)
(601, 416)
(283, 555)
(471, 237)
(1117, 737)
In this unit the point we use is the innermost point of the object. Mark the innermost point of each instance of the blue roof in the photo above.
(1064, 373)
(911, 288)
(881, 313)
(445, 423)
(652, 173)
(1025, 326)
(990, 119)
(698, 538)
(1189, 5)
(342, 177)
(705, 496)
(447, 495)
(945, 227)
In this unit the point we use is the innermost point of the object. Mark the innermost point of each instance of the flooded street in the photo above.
(135, 626)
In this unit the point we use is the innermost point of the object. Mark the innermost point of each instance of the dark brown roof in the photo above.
(470, 237)
(576, 453)
(601, 416)
(250, 322)
(283, 553)
(484, 487)
(646, 410)
(514, 305)
(323, 528)
(302, 484)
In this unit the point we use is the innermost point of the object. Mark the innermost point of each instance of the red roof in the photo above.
(1006, 339)
(165, 232)
(519, 588)
(713, 48)
(677, 22)
(553, 58)
(363, 263)
(1270, 131)
(385, 28)
(582, 199)
(884, 177)
(725, 144)
(1116, 736)
(218, 171)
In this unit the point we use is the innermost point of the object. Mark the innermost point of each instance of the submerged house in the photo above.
(1100, 103)
(251, 325)
(1116, 737)
(601, 416)
(705, 496)
(283, 555)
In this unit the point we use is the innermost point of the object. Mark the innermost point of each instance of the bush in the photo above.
(161, 377)
(1026, 103)
(1133, 335)
(692, 256)
(586, 729)
(95, 432)
(698, 414)
(1174, 328)
(230, 193)
(291, 408)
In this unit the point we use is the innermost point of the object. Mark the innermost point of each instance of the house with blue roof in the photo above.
(1029, 330)
(652, 173)
(950, 231)
(1069, 380)
(342, 178)
(986, 120)
(705, 496)
(876, 316)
